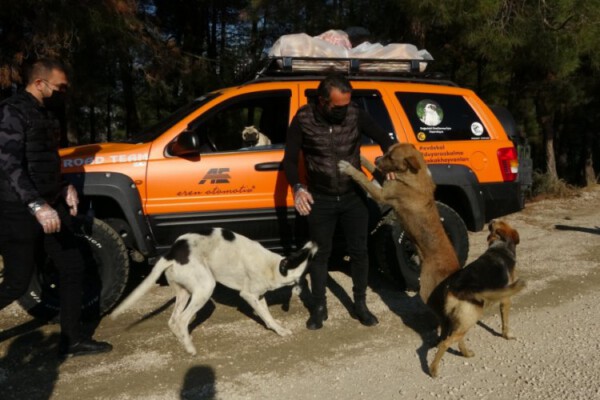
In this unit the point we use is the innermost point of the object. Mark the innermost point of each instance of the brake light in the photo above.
(509, 163)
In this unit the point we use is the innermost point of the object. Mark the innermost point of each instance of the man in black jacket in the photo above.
(327, 132)
(36, 208)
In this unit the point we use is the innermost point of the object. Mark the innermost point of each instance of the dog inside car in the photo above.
(411, 194)
(196, 262)
(253, 137)
(459, 301)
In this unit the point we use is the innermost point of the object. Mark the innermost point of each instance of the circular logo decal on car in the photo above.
(429, 112)
(421, 136)
(477, 128)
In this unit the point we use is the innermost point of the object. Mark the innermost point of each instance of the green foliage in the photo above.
(133, 62)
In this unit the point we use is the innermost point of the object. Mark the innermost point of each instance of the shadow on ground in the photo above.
(30, 368)
(199, 384)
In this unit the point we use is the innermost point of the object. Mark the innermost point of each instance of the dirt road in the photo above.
(556, 354)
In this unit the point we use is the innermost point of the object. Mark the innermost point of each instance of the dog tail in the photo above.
(499, 294)
(143, 287)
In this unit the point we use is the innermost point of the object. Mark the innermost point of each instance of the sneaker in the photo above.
(84, 347)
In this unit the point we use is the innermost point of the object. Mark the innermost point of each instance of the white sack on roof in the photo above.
(337, 37)
(302, 45)
(393, 51)
(335, 44)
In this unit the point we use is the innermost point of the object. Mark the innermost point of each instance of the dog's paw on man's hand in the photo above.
(345, 167)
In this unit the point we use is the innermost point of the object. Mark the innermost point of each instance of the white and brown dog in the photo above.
(253, 137)
(197, 261)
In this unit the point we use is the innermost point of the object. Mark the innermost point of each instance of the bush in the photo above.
(546, 185)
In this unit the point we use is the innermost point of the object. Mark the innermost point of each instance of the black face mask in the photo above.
(56, 101)
(336, 114)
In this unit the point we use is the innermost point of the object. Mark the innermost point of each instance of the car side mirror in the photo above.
(186, 144)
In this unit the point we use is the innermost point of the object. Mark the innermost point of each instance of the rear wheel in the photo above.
(106, 272)
(396, 256)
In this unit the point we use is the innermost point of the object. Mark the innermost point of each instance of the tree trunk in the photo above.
(254, 36)
(546, 120)
(589, 174)
(223, 14)
(132, 122)
(223, 34)
(108, 119)
(549, 145)
(92, 124)
(212, 39)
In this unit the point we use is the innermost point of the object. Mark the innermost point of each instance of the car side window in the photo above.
(372, 103)
(257, 120)
(440, 117)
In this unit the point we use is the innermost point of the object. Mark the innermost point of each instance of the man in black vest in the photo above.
(36, 207)
(327, 132)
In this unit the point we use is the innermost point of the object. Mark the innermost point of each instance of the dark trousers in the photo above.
(351, 212)
(21, 240)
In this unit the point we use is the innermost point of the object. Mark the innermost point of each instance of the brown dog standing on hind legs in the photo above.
(459, 301)
(411, 194)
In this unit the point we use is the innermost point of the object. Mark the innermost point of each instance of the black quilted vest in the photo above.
(42, 138)
(324, 144)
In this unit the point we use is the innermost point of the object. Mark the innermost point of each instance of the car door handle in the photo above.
(269, 166)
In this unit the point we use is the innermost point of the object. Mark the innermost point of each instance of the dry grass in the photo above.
(546, 186)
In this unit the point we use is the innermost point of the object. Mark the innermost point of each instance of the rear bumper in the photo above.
(501, 199)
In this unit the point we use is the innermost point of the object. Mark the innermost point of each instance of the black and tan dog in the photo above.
(459, 300)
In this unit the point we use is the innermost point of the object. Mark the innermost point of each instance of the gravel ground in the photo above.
(555, 355)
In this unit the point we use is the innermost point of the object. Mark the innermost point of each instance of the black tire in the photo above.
(395, 256)
(456, 230)
(106, 274)
(385, 251)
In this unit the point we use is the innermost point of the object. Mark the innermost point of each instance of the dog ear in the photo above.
(283, 270)
(295, 259)
(505, 234)
(515, 236)
(412, 163)
(504, 231)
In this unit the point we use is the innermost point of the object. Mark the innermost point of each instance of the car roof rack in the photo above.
(294, 66)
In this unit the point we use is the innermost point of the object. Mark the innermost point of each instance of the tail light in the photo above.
(509, 163)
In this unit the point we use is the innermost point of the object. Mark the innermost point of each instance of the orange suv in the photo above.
(195, 169)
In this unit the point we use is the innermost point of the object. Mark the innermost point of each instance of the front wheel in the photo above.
(396, 256)
(106, 273)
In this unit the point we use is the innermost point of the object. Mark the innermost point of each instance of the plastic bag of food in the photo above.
(303, 45)
(294, 45)
(336, 37)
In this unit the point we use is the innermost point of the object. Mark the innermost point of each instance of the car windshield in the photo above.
(152, 132)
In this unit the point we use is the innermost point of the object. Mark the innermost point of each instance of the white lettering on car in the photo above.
(78, 162)
(121, 158)
(137, 159)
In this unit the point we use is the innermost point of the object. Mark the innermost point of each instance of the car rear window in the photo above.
(440, 117)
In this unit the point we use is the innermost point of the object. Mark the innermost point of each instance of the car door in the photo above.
(230, 184)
